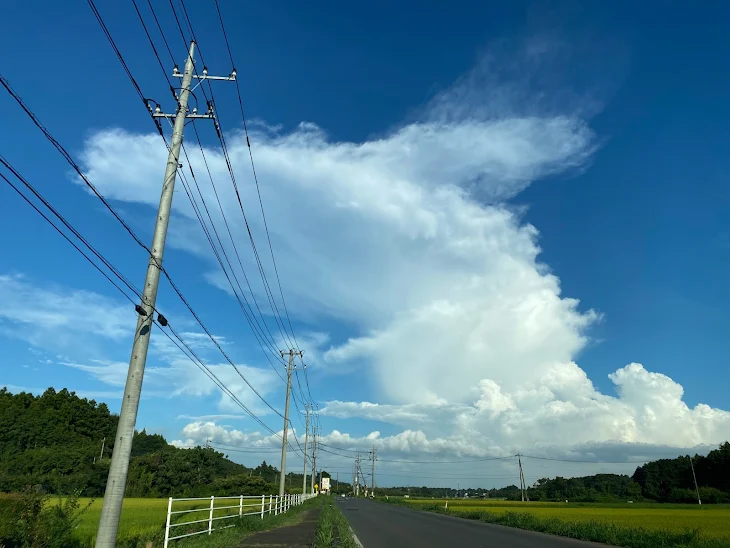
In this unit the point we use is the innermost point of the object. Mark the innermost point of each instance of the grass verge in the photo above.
(224, 538)
(596, 531)
(333, 528)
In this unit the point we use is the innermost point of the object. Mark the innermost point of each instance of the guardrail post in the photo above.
(210, 518)
(263, 498)
(240, 507)
(167, 523)
(276, 506)
(270, 499)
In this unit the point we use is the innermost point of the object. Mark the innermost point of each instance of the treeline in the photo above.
(54, 441)
(665, 480)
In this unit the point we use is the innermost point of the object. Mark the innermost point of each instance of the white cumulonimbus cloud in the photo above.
(407, 238)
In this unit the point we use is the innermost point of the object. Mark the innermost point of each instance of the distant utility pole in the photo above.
(101, 453)
(372, 475)
(314, 456)
(522, 477)
(695, 478)
(289, 369)
(117, 480)
(354, 478)
(306, 446)
(356, 483)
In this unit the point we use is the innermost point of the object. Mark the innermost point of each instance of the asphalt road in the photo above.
(380, 525)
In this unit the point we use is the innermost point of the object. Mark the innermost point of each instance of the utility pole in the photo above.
(289, 369)
(101, 453)
(699, 501)
(314, 456)
(358, 475)
(354, 478)
(306, 445)
(372, 475)
(117, 480)
(522, 477)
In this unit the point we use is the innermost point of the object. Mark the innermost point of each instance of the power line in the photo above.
(69, 159)
(253, 168)
(199, 215)
(585, 461)
(272, 300)
(196, 209)
(73, 230)
(224, 147)
(116, 272)
(78, 170)
(485, 459)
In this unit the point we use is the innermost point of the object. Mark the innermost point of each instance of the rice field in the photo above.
(145, 518)
(712, 521)
(139, 517)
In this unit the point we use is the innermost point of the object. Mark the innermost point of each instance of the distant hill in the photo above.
(54, 441)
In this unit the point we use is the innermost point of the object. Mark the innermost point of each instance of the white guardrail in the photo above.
(244, 506)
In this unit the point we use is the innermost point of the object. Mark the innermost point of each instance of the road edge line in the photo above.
(354, 537)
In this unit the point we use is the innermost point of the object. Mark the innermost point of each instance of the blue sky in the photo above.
(461, 175)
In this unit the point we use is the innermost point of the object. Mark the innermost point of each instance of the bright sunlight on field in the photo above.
(141, 517)
(713, 521)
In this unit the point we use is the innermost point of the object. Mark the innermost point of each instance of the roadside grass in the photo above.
(244, 527)
(333, 528)
(644, 526)
(143, 521)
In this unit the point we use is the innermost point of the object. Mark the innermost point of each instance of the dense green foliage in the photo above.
(29, 520)
(670, 480)
(598, 488)
(54, 441)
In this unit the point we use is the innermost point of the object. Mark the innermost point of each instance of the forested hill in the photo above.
(54, 440)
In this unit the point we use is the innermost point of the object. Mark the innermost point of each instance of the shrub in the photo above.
(28, 520)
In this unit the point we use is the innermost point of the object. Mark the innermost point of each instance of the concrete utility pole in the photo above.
(289, 369)
(314, 456)
(354, 479)
(117, 480)
(699, 501)
(306, 445)
(522, 477)
(372, 475)
(358, 475)
(101, 453)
